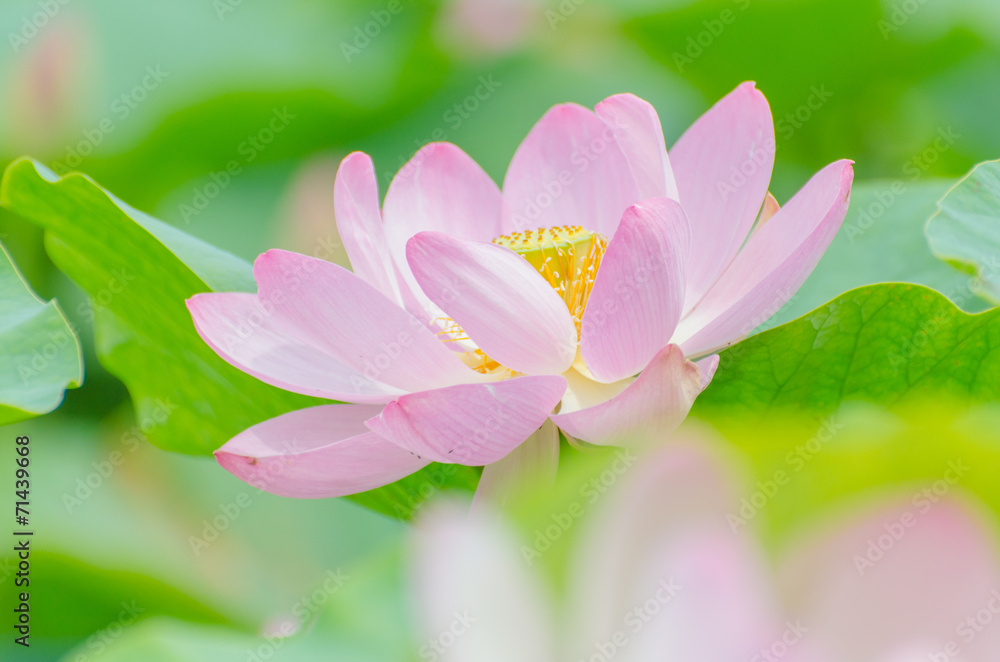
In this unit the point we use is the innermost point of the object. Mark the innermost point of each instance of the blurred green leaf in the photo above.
(841, 48)
(863, 455)
(882, 344)
(39, 353)
(800, 472)
(376, 605)
(61, 585)
(169, 640)
(117, 520)
(966, 229)
(239, 64)
(138, 272)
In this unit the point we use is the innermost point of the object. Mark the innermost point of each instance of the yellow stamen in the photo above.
(568, 257)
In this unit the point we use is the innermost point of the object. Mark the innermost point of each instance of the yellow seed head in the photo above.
(568, 257)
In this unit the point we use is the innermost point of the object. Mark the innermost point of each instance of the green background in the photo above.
(898, 75)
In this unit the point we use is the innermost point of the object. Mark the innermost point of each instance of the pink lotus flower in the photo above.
(471, 314)
(654, 572)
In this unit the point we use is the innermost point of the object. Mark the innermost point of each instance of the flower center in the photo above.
(568, 257)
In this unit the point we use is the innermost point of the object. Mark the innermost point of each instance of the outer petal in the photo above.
(469, 569)
(660, 554)
(708, 366)
(903, 578)
(639, 134)
(472, 424)
(318, 452)
(723, 165)
(249, 337)
(500, 300)
(638, 295)
(772, 266)
(441, 189)
(359, 223)
(568, 171)
(349, 319)
(537, 459)
(648, 410)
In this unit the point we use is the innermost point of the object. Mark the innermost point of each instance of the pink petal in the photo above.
(470, 578)
(905, 577)
(722, 165)
(659, 557)
(314, 453)
(533, 463)
(359, 222)
(335, 310)
(638, 295)
(640, 136)
(473, 424)
(249, 337)
(772, 266)
(648, 410)
(568, 171)
(708, 366)
(440, 189)
(505, 306)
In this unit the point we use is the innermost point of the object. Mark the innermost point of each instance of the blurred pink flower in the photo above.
(472, 314)
(489, 26)
(657, 573)
(48, 87)
(305, 213)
